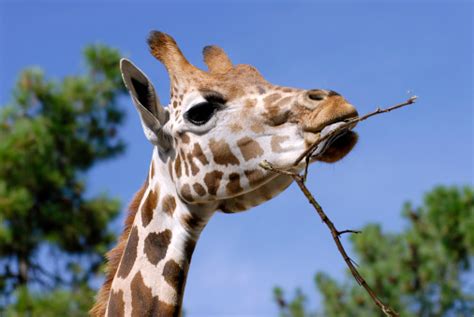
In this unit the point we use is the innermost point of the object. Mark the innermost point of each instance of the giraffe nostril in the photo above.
(317, 94)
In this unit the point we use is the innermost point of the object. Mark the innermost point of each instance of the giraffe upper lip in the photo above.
(322, 126)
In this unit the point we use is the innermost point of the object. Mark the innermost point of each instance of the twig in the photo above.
(340, 233)
(336, 234)
(347, 125)
(299, 179)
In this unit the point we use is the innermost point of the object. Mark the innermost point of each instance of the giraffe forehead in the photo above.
(235, 84)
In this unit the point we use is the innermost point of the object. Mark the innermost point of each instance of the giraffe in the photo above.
(207, 144)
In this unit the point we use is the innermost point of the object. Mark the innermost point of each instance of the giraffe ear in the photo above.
(152, 115)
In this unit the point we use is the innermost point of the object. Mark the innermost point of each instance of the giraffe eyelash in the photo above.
(214, 97)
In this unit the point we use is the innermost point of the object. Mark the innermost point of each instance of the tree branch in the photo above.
(299, 179)
(336, 234)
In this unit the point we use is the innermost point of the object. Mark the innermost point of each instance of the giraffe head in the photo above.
(221, 123)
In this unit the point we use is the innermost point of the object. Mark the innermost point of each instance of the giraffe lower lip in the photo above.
(321, 148)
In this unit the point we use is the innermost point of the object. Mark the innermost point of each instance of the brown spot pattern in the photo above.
(143, 301)
(254, 177)
(250, 103)
(233, 186)
(212, 181)
(152, 170)
(257, 127)
(149, 206)
(193, 166)
(276, 114)
(156, 245)
(276, 142)
(174, 276)
(249, 148)
(235, 127)
(129, 255)
(185, 163)
(116, 307)
(169, 204)
(189, 247)
(185, 138)
(177, 166)
(186, 192)
(193, 222)
(199, 189)
(197, 153)
(222, 153)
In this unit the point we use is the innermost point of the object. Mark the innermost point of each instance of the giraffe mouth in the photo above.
(335, 147)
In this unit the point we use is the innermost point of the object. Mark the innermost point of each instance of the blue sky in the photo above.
(375, 54)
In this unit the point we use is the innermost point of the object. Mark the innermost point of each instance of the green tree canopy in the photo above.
(421, 271)
(51, 134)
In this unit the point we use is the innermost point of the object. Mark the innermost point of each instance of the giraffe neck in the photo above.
(152, 273)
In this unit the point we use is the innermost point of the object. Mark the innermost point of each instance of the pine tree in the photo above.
(52, 234)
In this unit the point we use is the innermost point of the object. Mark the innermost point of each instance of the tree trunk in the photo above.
(23, 268)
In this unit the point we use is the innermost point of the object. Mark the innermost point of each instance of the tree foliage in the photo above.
(74, 302)
(52, 232)
(422, 271)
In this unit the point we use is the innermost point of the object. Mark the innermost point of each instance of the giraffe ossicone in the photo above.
(207, 146)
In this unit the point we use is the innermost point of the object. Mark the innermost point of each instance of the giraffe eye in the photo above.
(201, 113)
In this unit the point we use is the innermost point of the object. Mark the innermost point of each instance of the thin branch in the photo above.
(56, 279)
(336, 234)
(340, 233)
(347, 125)
(299, 179)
